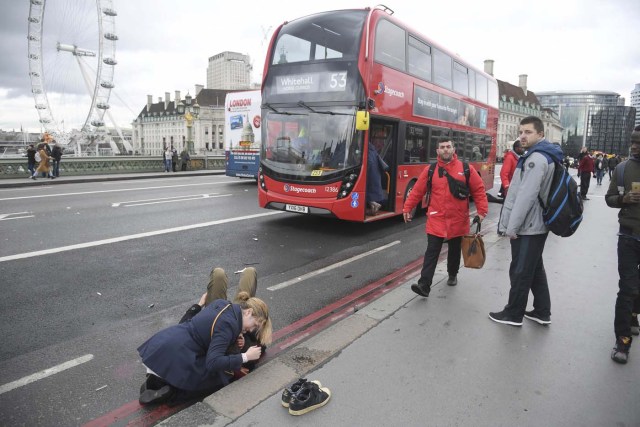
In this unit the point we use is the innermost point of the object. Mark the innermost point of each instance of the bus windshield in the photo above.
(321, 36)
(308, 145)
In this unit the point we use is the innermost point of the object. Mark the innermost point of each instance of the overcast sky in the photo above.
(164, 45)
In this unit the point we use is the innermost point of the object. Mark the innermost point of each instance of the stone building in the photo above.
(516, 103)
(165, 123)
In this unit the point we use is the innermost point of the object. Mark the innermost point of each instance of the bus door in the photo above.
(383, 137)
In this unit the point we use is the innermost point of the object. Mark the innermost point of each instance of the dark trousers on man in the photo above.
(527, 273)
(629, 285)
(434, 245)
(585, 180)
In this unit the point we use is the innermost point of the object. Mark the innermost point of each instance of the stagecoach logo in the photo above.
(294, 189)
(382, 88)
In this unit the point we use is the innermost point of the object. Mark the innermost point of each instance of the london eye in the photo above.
(71, 65)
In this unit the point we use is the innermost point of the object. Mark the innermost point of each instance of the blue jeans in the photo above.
(434, 245)
(32, 167)
(167, 165)
(599, 176)
(56, 168)
(526, 272)
(629, 285)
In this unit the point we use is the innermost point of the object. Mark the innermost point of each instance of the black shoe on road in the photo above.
(620, 352)
(421, 289)
(635, 327)
(310, 397)
(452, 281)
(289, 392)
(532, 315)
(501, 317)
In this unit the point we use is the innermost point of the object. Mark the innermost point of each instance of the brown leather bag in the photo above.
(473, 248)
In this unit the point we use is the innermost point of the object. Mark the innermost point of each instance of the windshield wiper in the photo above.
(265, 105)
(332, 113)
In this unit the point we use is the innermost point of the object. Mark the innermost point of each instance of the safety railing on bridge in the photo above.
(16, 167)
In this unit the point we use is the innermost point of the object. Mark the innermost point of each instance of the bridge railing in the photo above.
(16, 167)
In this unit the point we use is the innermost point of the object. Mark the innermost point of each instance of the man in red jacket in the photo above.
(447, 215)
(509, 166)
(586, 168)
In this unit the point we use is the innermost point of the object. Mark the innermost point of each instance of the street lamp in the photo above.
(191, 112)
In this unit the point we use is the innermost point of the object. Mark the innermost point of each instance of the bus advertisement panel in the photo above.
(353, 105)
(242, 134)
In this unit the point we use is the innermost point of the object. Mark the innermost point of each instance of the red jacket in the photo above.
(447, 216)
(508, 168)
(586, 164)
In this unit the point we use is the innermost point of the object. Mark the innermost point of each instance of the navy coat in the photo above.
(186, 357)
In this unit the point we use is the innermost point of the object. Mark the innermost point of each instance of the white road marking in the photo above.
(5, 217)
(167, 200)
(330, 267)
(109, 191)
(45, 373)
(132, 237)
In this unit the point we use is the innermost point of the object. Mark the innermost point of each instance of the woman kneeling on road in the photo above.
(189, 360)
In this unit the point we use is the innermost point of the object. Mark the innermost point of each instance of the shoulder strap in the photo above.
(620, 177)
(216, 319)
(432, 169)
(467, 172)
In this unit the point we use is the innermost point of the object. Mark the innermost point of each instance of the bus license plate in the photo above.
(297, 208)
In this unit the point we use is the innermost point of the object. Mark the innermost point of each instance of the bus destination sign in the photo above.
(312, 82)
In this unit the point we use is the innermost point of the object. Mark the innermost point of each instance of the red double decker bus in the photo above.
(339, 83)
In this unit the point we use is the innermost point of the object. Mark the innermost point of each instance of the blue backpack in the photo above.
(562, 213)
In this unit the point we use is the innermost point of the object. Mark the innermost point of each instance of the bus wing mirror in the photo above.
(362, 120)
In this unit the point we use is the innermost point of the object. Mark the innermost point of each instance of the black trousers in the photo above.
(628, 300)
(585, 180)
(527, 273)
(434, 246)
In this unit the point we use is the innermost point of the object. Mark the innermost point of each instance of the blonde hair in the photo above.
(260, 312)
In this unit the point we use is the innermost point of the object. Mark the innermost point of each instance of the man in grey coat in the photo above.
(521, 220)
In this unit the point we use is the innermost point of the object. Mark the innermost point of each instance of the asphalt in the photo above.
(440, 361)
(404, 360)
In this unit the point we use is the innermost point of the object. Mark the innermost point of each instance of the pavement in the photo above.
(404, 360)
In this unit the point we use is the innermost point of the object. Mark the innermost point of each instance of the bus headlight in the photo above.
(348, 182)
(261, 179)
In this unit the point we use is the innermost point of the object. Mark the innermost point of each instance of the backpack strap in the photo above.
(620, 177)
(467, 173)
(432, 169)
(216, 319)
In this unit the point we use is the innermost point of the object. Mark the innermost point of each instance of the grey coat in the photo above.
(521, 213)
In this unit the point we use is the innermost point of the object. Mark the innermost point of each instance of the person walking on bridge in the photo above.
(448, 215)
(521, 221)
(622, 195)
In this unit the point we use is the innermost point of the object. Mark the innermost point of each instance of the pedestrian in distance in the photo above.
(624, 194)
(190, 359)
(185, 159)
(600, 168)
(612, 163)
(521, 221)
(509, 166)
(447, 215)
(586, 168)
(56, 157)
(174, 159)
(44, 165)
(31, 160)
(166, 158)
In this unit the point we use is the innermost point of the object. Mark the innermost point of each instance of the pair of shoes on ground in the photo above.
(304, 396)
(505, 319)
(620, 352)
